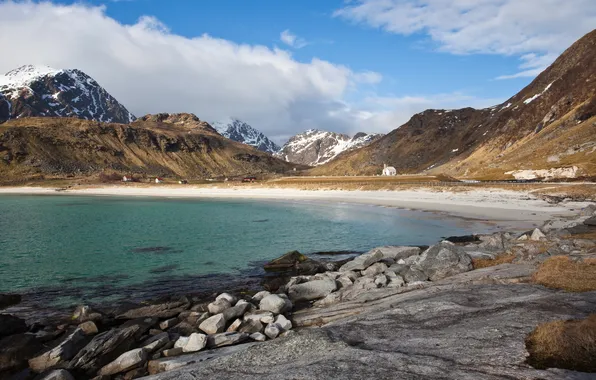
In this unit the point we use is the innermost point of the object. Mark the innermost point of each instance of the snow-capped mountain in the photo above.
(240, 131)
(43, 91)
(315, 147)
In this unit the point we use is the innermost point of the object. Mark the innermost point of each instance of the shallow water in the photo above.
(72, 249)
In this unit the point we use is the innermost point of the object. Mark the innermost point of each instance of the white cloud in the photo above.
(536, 30)
(292, 40)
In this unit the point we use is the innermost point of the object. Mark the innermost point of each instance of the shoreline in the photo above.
(507, 208)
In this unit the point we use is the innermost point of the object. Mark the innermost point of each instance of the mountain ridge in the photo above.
(242, 132)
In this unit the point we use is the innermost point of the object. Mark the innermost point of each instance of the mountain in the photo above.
(315, 147)
(168, 145)
(240, 131)
(549, 125)
(43, 91)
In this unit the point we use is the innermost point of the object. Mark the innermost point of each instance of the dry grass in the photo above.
(560, 272)
(564, 344)
(500, 259)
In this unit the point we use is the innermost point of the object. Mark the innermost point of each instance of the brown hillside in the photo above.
(171, 146)
(548, 124)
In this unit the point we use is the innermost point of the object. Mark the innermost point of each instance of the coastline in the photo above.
(510, 209)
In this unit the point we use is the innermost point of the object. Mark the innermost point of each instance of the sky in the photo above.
(285, 66)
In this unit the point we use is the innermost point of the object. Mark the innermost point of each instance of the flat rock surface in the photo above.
(472, 327)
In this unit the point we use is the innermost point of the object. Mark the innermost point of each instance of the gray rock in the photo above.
(343, 282)
(228, 297)
(311, 290)
(171, 352)
(590, 221)
(196, 342)
(226, 339)
(415, 275)
(589, 210)
(259, 315)
(374, 269)
(163, 310)
(260, 295)
(213, 325)
(169, 323)
(234, 326)
(481, 255)
(330, 299)
(65, 351)
(235, 311)
(363, 261)
(394, 280)
(272, 303)
(219, 306)
(155, 342)
(251, 326)
(272, 330)
(399, 269)
(57, 374)
(125, 362)
(494, 242)
(443, 260)
(351, 275)
(381, 280)
(397, 252)
(283, 322)
(258, 337)
(10, 325)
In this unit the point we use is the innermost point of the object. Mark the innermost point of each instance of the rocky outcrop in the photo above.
(7, 300)
(242, 132)
(10, 325)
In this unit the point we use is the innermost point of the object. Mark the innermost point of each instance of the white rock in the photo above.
(234, 326)
(258, 337)
(330, 299)
(273, 303)
(374, 269)
(213, 325)
(363, 261)
(283, 322)
(228, 297)
(343, 282)
(219, 306)
(196, 342)
(537, 235)
(181, 342)
(523, 237)
(381, 280)
(124, 362)
(312, 290)
(272, 330)
(260, 295)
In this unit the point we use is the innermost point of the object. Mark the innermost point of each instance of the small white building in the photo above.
(158, 180)
(389, 170)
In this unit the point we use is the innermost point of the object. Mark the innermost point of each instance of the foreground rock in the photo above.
(10, 325)
(7, 300)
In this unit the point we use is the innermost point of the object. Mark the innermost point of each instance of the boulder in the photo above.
(235, 311)
(234, 326)
(169, 323)
(537, 235)
(374, 269)
(283, 322)
(343, 282)
(7, 300)
(251, 326)
(260, 295)
(57, 374)
(183, 328)
(492, 242)
(363, 261)
(258, 337)
(311, 290)
(105, 348)
(65, 351)
(381, 280)
(196, 342)
(15, 350)
(226, 339)
(399, 269)
(219, 306)
(155, 342)
(89, 328)
(443, 260)
(394, 280)
(415, 275)
(228, 297)
(84, 313)
(196, 318)
(181, 342)
(262, 316)
(398, 252)
(273, 303)
(352, 275)
(176, 351)
(285, 262)
(11, 325)
(590, 221)
(214, 325)
(162, 310)
(272, 330)
(125, 362)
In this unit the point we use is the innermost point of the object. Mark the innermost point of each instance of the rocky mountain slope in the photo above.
(315, 147)
(240, 131)
(168, 145)
(43, 91)
(550, 124)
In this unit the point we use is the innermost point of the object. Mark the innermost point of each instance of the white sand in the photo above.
(510, 208)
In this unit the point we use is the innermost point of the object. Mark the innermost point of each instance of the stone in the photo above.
(125, 362)
(11, 325)
(251, 326)
(351, 275)
(394, 280)
(329, 299)
(537, 235)
(311, 290)
(84, 313)
(162, 310)
(183, 328)
(57, 374)
(381, 280)
(363, 261)
(7, 300)
(590, 221)
(89, 328)
(258, 337)
(260, 315)
(415, 275)
(219, 306)
(181, 342)
(442, 260)
(272, 330)
(63, 352)
(492, 242)
(524, 237)
(16, 350)
(409, 261)
(226, 339)
(155, 342)
(481, 255)
(228, 297)
(283, 322)
(196, 342)
(213, 325)
(136, 373)
(285, 262)
(589, 210)
(176, 351)
(398, 252)
(343, 282)
(234, 326)
(260, 295)
(374, 269)
(399, 269)
(273, 303)
(105, 348)
(235, 311)
(168, 323)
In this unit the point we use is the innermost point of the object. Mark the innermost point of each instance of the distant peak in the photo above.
(31, 70)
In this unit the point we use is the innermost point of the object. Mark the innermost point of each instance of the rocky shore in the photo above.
(403, 312)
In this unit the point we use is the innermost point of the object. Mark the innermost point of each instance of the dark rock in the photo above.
(590, 221)
(141, 324)
(7, 300)
(463, 239)
(10, 325)
(183, 328)
(15, 350)
(226, 339)
(57, 374)
(65, 351)
(294, 262)
(162, 310)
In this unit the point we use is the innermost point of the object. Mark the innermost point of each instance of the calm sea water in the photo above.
(71, 249)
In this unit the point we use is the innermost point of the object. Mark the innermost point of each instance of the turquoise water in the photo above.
(74, 248)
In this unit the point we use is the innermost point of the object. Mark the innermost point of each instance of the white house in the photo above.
(389, 170)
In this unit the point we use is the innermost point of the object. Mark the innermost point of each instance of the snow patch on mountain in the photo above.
(315, 147)
(240, 131)
(35, 90)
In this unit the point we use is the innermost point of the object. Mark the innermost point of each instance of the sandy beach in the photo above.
(513, 209)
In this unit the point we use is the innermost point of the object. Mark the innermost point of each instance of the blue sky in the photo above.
(285, 66)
